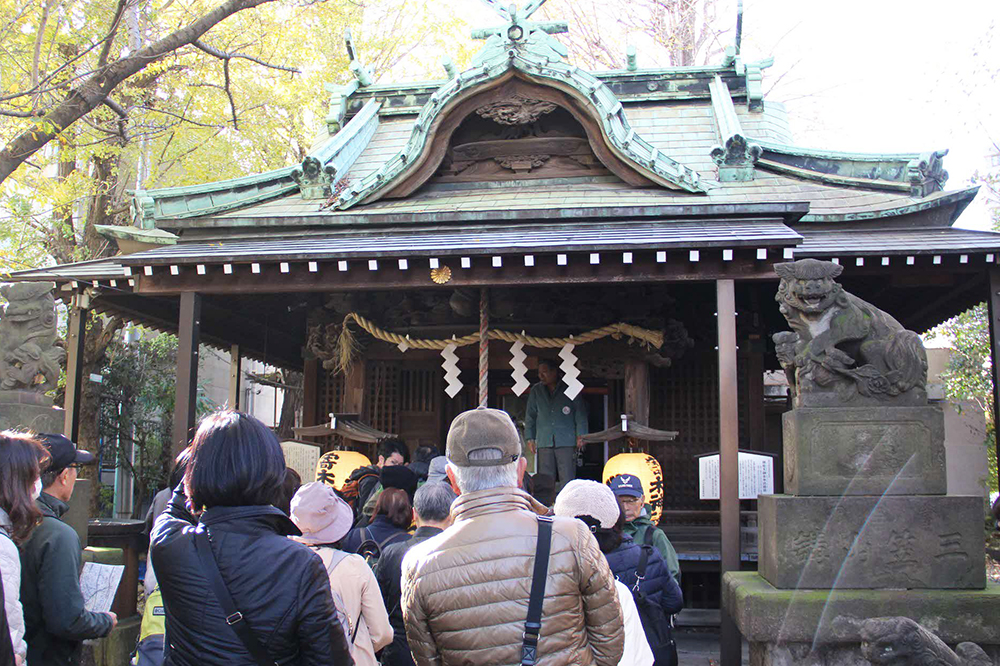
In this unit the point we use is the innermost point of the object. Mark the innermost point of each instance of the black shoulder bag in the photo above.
(655, 623)
(234, 618)
(533, 625)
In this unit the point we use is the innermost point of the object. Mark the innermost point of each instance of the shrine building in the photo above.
(634, 214)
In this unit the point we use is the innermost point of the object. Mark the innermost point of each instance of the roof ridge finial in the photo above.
(358, 69)
(510, 12)
(739, 25)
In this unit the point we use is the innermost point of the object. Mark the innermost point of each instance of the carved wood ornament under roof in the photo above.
(516, 110)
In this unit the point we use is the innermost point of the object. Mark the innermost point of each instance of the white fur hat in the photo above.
(581, 497)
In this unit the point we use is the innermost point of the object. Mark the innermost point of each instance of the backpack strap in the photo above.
(391, 539)
(640, 569)
(533, 624)
(234, 618)
(336, 558)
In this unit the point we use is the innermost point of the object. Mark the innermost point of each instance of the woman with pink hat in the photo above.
(324, 520)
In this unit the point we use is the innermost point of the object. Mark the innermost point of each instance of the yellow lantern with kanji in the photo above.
(334, 467)
(647, 468)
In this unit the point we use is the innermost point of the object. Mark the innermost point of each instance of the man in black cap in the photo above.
(56, 622)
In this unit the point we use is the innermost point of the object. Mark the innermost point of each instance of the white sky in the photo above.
(871, 75)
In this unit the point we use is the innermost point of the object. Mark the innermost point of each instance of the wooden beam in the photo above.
(935, 305)
(75, 337)
(546, 271)
(188, 339)
(993, 305)
(755, 391)
(235, 372)
(729, 504)
(281, 348)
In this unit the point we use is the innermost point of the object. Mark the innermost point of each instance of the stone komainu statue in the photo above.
(899, 641)
(29, 359)
(842, 350)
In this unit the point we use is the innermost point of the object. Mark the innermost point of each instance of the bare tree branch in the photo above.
(102, 59)
(116, 107)
(222, 55)
(92, 92)
(21, 114)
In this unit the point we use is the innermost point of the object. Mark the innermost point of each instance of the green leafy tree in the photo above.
(98, 97)
(969, 374)
(136, 406)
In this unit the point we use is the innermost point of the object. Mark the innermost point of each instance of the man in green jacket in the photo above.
(628, 489)
(554, 425)
(56, 622)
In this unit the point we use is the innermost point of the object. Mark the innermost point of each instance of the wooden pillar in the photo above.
(637, 391)
(755, 392)
(188, 339)
(75, 337)
(729, 503)
(993, 305)
(310, 391)
(235, 373)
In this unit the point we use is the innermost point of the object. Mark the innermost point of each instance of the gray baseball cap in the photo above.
(483, 429)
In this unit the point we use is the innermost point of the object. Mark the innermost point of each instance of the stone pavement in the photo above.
(700, 647)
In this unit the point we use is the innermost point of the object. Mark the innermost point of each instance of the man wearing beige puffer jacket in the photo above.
(466, 590)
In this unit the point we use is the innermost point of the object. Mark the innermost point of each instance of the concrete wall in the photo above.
(964, 432)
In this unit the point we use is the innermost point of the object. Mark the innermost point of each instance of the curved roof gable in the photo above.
(525, 51)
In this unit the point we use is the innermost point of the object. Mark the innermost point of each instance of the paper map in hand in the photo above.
(99, 582)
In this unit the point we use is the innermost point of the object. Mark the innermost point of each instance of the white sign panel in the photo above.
(99, 583)
(756, 476)
(303, 458)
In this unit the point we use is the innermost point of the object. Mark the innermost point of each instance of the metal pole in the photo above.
(188, 339)
(484, 347)
(729, 502)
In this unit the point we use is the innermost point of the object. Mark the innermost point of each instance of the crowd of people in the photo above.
(448, 559)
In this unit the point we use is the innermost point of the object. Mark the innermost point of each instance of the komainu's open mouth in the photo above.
(812, 301)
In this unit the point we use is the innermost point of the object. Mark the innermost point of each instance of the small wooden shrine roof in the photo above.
(348, 426)
(634, 431)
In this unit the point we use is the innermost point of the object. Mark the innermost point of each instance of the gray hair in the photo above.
(471, 479)
(432, 502)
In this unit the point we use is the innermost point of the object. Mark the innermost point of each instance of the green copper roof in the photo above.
(919, 174)
(530, 51)
(334, 157)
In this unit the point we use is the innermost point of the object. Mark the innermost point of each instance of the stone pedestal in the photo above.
(918, 542)
(116, 648)
(27, 410)
(864, 451)
(821, 627)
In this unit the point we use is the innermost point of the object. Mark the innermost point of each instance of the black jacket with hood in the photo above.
(55, 620)
(281, 587)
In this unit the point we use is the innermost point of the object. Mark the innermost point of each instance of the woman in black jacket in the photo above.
(390, 524)
(279, 588)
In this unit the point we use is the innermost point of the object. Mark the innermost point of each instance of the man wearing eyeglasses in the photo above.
(55, 619)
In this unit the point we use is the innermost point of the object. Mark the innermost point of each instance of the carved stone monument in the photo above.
(29, 358)
(866, 527)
